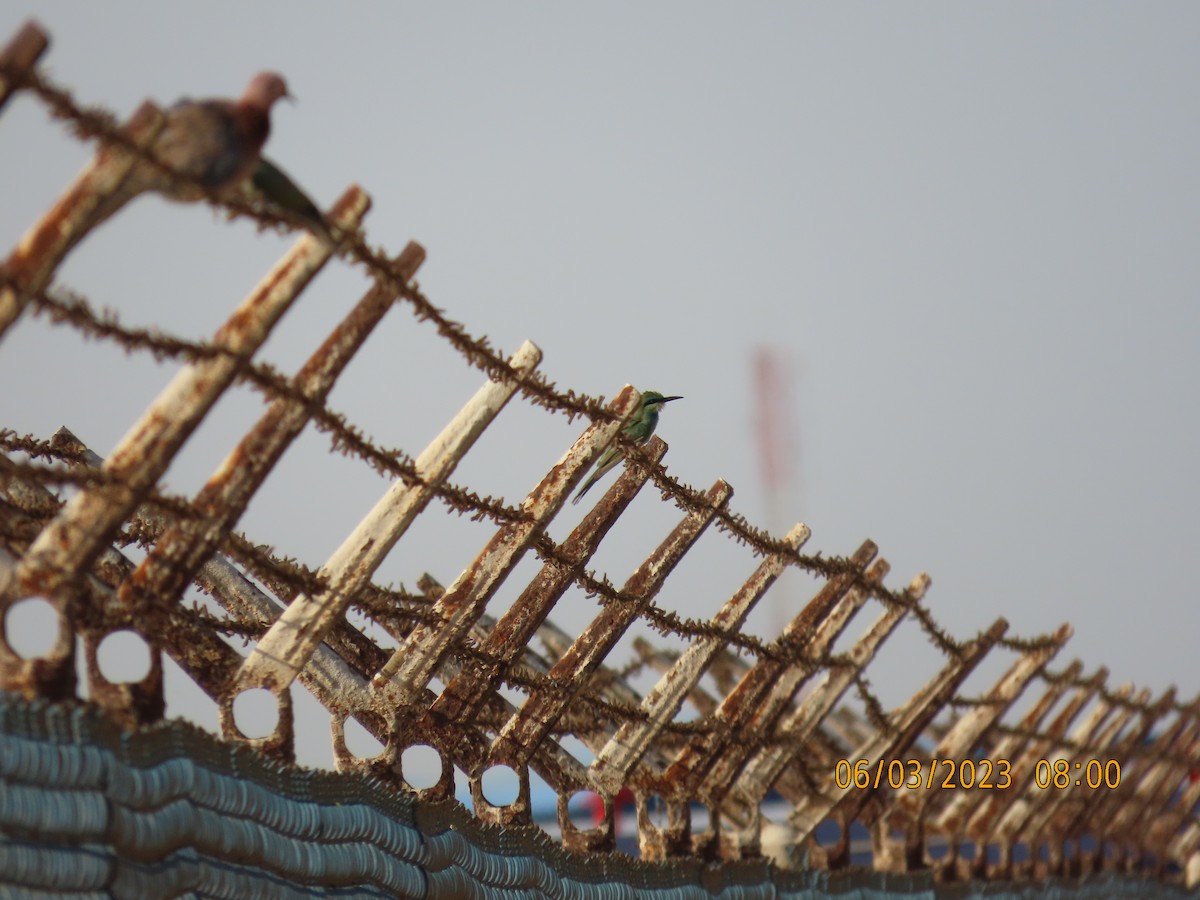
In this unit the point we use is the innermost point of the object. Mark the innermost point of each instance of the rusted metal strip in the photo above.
(461, 743)
(614, 762)
(1166, 830)
(767, 712)
(1179, 836)
(1184, 847)
(689, 769)
(183, 548)
(557, 767)
(661, 660)
(905, 724)
(506, 641)
(1094, 815)
(1057, 826)
(1174, 782)
(1157, 778)
(727, 671)
(337, 675)
(283, 651)
(19, 56)
(51, 677)
(70, 543)
(607, 684)
(952, 818)
(94, 195)
(8, 566)
(736, 825)
(796, 729)
(217, 576)
(1032, 810)
(416, 660)
(523, 732)
(984, 825)
(1048, 822)
(210, 662)
(86, 523)
(907, 806)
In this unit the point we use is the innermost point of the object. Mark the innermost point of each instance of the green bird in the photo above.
(639, 429)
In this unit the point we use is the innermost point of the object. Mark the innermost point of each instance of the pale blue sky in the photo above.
(970, 228)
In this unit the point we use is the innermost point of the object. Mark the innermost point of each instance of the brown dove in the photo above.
(216, 143)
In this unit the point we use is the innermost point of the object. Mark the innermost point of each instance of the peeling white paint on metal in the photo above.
(414, 663)
(285, 649)
(664, 700)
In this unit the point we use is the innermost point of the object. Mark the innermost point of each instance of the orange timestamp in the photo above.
(1062, 773)
(915, 773)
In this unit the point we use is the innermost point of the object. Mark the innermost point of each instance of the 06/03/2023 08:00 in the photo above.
(972, 773)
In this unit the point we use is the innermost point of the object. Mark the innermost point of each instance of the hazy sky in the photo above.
(969, 230)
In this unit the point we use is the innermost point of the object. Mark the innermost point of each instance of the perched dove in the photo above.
(216, 143)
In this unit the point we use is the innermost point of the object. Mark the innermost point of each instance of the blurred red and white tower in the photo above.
(779, 451)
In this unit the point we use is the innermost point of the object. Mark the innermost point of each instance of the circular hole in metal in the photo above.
(31, 627)
(656, 811)
(500, 785)
(123, 657)
(585, 809)
(256, 713)
(359, 741)
(422, 766)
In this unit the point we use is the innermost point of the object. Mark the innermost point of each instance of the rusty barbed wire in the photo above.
(78, 312)
(286, 576)
(86, 477)
(603, 698)
(347, 439)
(98, 124)
(1064, 677)
(94, 123)
(75, 310)
(875, 712)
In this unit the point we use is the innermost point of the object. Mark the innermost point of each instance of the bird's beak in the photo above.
(669, 399)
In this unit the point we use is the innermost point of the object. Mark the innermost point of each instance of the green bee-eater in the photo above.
(640, 429)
